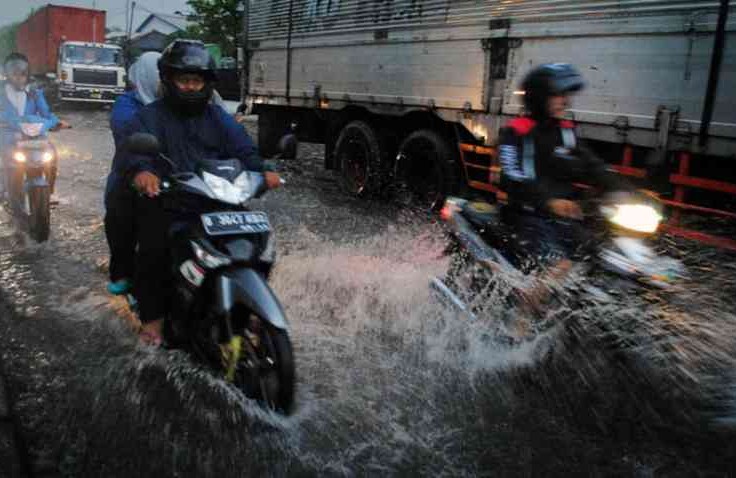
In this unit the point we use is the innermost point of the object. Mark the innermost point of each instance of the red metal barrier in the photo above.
(682, 180)
(485, 161)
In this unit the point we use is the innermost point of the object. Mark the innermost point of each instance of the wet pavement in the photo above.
(388, 384)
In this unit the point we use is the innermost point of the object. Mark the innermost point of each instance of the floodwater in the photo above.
(390, 383)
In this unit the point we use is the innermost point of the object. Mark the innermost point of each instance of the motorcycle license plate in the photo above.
(220, 223)
(33, 144)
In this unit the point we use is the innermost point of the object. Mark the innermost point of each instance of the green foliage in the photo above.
(216, 21)
(7, 40)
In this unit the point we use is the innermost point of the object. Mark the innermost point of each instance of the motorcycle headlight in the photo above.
(20, 157)
(48, 156)
(207, 259)
(636, 217)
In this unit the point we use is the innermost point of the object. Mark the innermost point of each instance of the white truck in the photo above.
(429, 83)
(62, 46)
(90, 72)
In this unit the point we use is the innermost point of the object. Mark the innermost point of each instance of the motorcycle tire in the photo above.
(39, 220)
(280, 344)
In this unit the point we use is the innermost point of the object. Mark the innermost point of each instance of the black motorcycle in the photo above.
(223, 311)
(30, 171)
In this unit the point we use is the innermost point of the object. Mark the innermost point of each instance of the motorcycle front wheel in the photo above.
(39, 219)
(267, 371)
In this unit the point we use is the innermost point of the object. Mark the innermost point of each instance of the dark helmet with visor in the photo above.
(186, 56)
(545, 81)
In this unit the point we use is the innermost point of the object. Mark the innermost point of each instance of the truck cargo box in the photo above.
(646, 62)
(41, 34)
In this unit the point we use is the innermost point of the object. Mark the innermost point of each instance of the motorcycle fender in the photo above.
(247, 287)
(37, 182)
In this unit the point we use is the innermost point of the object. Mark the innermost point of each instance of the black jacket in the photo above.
(543, 161)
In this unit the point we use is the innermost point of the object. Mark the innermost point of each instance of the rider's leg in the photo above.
(120, 233)
(152, 278)
(554, 243)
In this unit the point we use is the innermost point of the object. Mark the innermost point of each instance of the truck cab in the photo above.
(90, 72)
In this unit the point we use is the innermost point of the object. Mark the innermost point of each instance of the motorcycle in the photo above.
(224, 314)
(30, 174)
(622, 258)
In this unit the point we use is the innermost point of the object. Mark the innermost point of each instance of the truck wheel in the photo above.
(275, 136)
(359, 155)
(426, 170)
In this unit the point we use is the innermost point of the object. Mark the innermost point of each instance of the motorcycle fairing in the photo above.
(248, 288)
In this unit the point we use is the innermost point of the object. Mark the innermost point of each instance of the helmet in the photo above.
(551, 79)
(186, 56)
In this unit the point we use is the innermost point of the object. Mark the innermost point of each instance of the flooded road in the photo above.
(389, 384)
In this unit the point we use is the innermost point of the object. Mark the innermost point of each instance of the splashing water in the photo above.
(389, 383)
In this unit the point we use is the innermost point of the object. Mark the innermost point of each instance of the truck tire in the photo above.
(275, 136)
(359, 156)
(426, 169)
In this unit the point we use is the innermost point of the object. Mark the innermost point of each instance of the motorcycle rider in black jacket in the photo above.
(188, 128)
(542, 160)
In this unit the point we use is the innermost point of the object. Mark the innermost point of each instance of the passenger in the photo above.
(541, 160)
(188, 127)
(119, 196)
(21, 103)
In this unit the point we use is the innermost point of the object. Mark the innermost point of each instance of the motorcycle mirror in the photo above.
(143, 143)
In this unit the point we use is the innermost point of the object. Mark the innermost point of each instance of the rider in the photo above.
(541, 161)
(188, 127)
(21, 103)
(119, 197)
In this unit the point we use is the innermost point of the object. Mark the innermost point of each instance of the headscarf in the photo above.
(143, 75)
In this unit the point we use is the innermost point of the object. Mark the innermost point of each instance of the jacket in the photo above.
(36, 111)
(211, 135)
(541, 161)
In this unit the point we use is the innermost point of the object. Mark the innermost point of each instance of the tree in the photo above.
(7, 40)
(216, 21)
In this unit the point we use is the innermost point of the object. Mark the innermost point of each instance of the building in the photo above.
(165, 24)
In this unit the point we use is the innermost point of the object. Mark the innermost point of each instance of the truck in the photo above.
(67, 55)
(417, 90)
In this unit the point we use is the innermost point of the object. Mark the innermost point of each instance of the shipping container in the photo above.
(41, 34)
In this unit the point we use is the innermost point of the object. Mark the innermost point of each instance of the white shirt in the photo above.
(17, 98)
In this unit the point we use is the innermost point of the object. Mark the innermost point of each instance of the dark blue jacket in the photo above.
(37, 111)
(123, 111)
(212, 135)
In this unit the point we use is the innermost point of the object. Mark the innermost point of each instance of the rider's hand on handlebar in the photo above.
(273, 180)
(147, 183)
(565, 208)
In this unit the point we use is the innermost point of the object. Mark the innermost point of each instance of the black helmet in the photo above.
(186, 56)
(551, 79)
